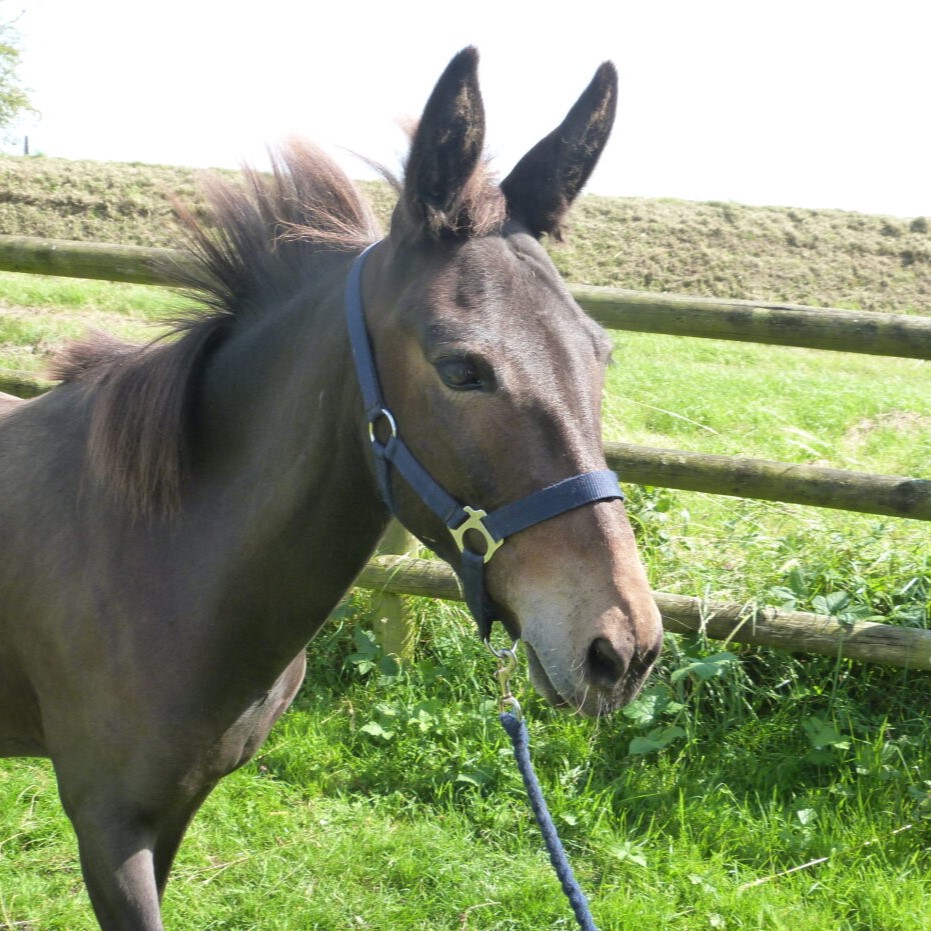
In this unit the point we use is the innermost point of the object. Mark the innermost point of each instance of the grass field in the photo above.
(746, 789)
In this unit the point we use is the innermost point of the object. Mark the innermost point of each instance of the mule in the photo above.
(178, 519)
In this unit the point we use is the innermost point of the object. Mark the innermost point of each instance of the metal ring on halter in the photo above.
(508, 653)
(374, 418)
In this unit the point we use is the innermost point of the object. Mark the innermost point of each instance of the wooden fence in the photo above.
(777, 324)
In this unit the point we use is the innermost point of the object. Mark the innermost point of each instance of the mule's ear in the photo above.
(446, 147)
(545, 182)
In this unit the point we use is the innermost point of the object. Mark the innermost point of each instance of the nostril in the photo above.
(644, 659)
(605, 664)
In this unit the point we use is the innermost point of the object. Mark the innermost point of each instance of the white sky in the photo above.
(806, 103)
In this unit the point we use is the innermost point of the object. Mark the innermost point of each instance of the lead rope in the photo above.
(513, 722)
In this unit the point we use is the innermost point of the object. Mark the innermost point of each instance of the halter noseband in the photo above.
(493, 528)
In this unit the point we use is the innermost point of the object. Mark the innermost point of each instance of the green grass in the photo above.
(387, 798)
(423, 823)
(123, 301)
(38, 313)
(855, 412)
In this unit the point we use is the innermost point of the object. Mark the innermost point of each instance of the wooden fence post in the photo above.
(395, 629)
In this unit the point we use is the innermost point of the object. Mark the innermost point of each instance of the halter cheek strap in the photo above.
(467, 525)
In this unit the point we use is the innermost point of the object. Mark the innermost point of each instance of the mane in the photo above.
(258, 243)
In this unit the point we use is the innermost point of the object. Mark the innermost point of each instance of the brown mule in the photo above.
(179, 519)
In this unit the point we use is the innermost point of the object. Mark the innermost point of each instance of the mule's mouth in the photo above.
(541, 681)
(587, 701)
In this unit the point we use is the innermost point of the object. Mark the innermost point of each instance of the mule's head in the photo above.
(495, 378)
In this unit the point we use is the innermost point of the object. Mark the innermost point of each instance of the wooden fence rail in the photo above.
(779, 324)
(796, 631)
(858, 331)
(767, 480)
(68, 259)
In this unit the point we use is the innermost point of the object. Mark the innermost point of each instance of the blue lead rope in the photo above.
(513, 723)
(517, 731)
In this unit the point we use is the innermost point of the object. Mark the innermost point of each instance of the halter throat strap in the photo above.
(477, 534)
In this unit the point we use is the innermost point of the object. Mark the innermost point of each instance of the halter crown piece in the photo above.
(494, 528)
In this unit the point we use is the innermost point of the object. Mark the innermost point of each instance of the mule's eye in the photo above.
(460, 374)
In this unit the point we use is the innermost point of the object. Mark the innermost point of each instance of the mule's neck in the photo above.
(282, 443)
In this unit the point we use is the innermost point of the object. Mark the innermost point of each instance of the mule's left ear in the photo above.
(446, 147)
(545, 182)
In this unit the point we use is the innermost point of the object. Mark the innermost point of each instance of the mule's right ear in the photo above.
(446, 147)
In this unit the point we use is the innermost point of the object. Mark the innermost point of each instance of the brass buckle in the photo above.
(475, 521)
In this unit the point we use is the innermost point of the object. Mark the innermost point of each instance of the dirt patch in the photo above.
(898, 421)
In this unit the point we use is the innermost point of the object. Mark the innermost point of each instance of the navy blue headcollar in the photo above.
(466, 524)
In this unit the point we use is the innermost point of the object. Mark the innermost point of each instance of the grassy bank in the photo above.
(747, 789)
(820, 257)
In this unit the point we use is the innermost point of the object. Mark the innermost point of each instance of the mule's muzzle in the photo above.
(609, 677)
